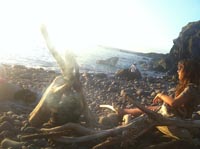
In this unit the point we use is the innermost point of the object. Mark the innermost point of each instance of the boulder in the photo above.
(128, 75)
(7, 90)
(187, 45)
(110, 61)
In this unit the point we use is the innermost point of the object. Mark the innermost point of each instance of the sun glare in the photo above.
(77, 25)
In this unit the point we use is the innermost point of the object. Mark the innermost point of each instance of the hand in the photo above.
(120, 113)
(158, 98)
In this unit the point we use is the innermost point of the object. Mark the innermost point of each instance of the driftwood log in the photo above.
(139, 126)
(68, 81)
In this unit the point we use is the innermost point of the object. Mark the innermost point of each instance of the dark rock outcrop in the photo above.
(186, 46)
(128, 75)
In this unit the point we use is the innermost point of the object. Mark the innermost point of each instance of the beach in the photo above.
(98, 89)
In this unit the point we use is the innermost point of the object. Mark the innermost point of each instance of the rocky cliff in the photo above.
(187, 45)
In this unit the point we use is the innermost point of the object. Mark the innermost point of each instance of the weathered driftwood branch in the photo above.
(89, 117)
(41, 112)
(54, 93)
(171, 144)
(59, 131)
(124, 138)
(107, 143)
(70, 71)
(109, 107)
(137, 123)
(42, 135)
(145, 130)
(88, 134)
(164, 121)
(53, 51)
(70, 126)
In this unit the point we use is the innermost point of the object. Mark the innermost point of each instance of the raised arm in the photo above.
(181, 99)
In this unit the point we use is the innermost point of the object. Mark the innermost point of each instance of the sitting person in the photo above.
(187, 95)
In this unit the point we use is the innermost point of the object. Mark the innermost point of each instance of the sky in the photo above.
(136, 25)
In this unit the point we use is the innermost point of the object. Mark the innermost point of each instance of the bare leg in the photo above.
(136, 112)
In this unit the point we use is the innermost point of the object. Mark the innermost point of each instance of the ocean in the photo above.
(86, 59)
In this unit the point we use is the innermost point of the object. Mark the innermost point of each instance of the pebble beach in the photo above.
(98, 89)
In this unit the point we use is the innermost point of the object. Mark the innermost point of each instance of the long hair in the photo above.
(191, 74)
